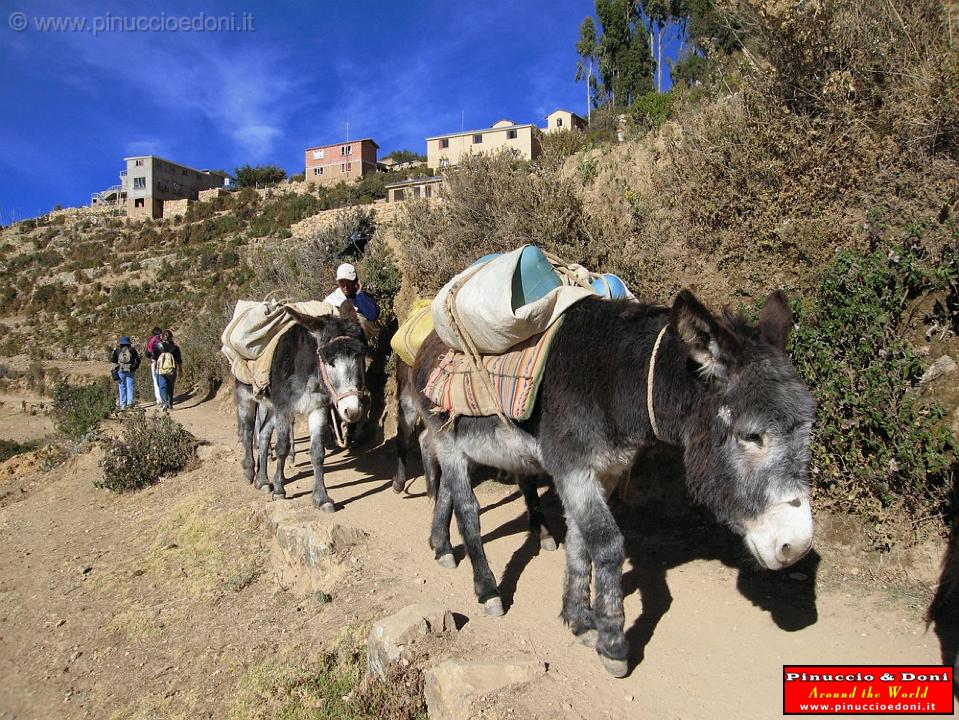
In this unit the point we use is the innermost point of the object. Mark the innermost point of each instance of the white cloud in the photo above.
(248, 95)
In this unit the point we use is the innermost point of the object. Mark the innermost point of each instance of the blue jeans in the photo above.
(165, 383)
(125, 386)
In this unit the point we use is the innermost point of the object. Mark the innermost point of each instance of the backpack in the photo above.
(151, 344)
(125, 358)
(166, 363)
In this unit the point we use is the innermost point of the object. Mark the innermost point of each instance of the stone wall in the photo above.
(307, 228)
(175, 208)
(206, 195)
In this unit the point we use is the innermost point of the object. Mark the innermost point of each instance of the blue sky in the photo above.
(76, 103)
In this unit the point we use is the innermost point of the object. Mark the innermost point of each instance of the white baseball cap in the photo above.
(346, 272)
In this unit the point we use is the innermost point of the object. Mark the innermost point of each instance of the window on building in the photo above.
(416, 192)
(138, 163)
(139, 183)
(346, 167)
(138, 202)
(510, 134)
(559, 122)
(477, 139)
(318, 171)
(428, 191)
(398, 195)
(444, 143)
(346, 149)
(317, 154)
(444, 162)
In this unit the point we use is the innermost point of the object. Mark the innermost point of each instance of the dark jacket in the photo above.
(365, 305)
(134, 359)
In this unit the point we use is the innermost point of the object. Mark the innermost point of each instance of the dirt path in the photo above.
(159, 603)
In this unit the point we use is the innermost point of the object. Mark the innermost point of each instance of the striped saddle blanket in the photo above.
(454, 387)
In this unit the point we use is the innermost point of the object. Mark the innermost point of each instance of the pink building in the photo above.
(341, 162)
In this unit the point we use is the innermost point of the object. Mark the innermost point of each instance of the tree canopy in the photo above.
(259, 175)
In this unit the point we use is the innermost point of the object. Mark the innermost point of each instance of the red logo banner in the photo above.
(867, 690)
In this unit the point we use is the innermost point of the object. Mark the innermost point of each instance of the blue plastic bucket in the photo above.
(485, 259)
(610, 287)
(534, 277)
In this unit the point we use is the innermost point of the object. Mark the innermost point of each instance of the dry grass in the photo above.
(196, 552)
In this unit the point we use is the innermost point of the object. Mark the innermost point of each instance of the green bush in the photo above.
(148, 448)
(651, 110)
(259, 175)
(78, 409)
(282, 211)
(876, 443)
(381, 277)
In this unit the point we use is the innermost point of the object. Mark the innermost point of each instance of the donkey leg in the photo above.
(586, 508)
(537, 521)
(283, 432)
(440, 529)
(245, 422)
(263, 448)
(317, 421)
(577, 612)
(454, 470)
(405, 423)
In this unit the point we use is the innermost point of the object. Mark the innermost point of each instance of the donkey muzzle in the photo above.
(781, 535)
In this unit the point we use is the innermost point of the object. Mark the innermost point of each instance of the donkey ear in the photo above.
(314, 324)
(776, 320)
(708, 343)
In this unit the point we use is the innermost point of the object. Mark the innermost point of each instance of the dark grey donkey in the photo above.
(720, 388)
(408, 419)
(319, 362)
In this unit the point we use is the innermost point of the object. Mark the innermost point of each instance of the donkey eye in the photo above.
(753, 439)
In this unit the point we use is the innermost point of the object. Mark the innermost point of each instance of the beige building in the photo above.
(427, 187)
(561, 119)
(505, 135)
(340, 162)
(150, 180)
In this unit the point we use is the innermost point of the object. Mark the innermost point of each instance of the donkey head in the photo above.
(341, 360)
(747, 441)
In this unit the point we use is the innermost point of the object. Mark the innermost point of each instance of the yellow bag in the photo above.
(413, 332)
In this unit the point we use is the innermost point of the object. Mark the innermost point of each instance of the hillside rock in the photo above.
(940, 367)
(390, 636)
(308, 547)
(452, 687)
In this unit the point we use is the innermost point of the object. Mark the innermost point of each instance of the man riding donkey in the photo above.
(353, 303)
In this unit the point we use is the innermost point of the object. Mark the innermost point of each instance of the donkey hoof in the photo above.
(325, 505)
(547, 543)
(398, 485)
(447, 561)
(588, 638)
(616, 668)
(494, 607)
(279, 496)
(265, 488)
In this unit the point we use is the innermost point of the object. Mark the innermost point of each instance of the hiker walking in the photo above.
(168, 364)
(155, 336)
(126, 360)
(353, 303)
